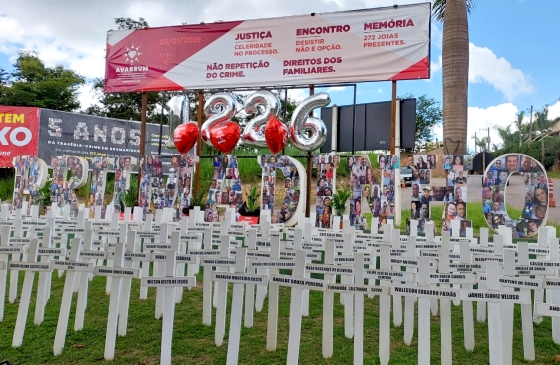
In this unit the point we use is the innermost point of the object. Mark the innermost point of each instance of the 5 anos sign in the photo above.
(495, 194)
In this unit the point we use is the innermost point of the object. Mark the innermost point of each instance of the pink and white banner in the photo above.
(351, 46)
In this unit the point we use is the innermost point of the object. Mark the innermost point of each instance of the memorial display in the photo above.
(164, 241)
(494, 194)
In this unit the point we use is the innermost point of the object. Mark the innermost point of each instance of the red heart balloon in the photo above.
(275, 134)
(185, 137)
(224, 137)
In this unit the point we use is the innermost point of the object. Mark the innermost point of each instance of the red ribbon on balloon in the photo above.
(276, 134)
(225, 136)
(185, 137)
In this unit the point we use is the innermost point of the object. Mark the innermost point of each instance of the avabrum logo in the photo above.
(132, 54)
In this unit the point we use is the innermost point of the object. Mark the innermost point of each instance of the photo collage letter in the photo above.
(382, 201)
(62, 188)
(123, 166)
(536, 194)
(326, 166)
(289, 186)
(166, 184)
(455, 192)
(99, 169)
(225, 188)
(370, 194)
(31, 175)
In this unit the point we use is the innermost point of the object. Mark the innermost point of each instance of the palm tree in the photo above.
(543, 125)
(520, 126)
(455, 69)
(506, 136)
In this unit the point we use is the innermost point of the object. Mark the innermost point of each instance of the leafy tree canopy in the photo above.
(428, 116)
(31, 83)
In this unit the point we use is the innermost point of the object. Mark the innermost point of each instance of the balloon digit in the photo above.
(253, 134)
(219, 131)
(178, 114)
(183, 134)
(309, 133)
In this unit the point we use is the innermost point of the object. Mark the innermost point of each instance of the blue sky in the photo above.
(513, 53)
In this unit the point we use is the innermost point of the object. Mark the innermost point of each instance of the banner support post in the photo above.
(393, 115)
(199, 143)
(309, 167)
(143, 129)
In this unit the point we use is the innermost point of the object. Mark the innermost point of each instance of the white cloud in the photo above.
(486, 67)
(334, 89)
(87, 96)
(500, 115)
(554, 110)
(436, 66)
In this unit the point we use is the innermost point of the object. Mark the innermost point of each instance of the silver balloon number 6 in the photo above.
(264, 103)
(309, 133)
(219, 109)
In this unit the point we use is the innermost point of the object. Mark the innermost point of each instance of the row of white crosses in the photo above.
(358, 251)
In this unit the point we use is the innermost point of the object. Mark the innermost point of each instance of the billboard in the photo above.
(19, 133)
(88, 136)
(372, 128)
(352, 46)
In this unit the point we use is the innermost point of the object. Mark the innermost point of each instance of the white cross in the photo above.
(169, 282)
(30, 269)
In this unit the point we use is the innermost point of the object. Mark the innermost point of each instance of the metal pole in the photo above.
(161, 123)
(143, 128)
(354, 123)
(393, 115)
(475, 141)
(397, 214)
(309, 167)
(285, 114)
(531, 126)
(199, 143)
(488, 140)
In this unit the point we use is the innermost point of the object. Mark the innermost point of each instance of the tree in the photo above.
(520, 126)
(428, 116)
(31, 83)
(543, 125)
(506, 136)
(129, 23)
(455, 71)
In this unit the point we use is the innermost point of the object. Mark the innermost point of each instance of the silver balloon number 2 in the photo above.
(264, 104)
(309, 133)
(219, 109)
(178, 114)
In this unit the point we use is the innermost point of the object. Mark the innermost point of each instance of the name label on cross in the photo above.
(161, 282)
(366, 289)
(548, 310)
(452, 278)
(218, 262)
(416, 291)
(116, 272)
(389, 275)
(51, 252)
(29, 266)
(240, 278)
(259, 264)
(302, 283)
(496, 297)
(72, 266)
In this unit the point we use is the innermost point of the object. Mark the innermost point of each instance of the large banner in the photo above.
(86, 136)
(19, 133)
(352, 46)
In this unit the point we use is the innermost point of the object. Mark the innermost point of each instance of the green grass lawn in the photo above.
(193, 343)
